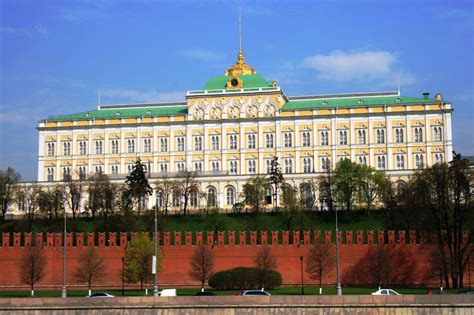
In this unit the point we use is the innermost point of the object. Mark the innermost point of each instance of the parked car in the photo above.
(205, 293)
(100, 295)
(252, 293)
(466, 292)
(168, 292)
(436, 292)
(385, 292)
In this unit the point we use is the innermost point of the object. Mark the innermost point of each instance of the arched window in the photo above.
(193, 198)
(400, 187)
(418, 134)
(211, 197)
(230, 196)
(268, 194)
(175, 196)
(159, 201)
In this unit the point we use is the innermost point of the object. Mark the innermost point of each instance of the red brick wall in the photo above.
(177, 249)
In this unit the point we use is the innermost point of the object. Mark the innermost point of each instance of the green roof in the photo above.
(249, 81)
(124, 113)
(308, 104)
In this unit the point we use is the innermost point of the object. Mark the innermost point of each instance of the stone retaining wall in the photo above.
(351, 304)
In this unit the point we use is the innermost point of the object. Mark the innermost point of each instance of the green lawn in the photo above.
(201, 222)
(192, 291)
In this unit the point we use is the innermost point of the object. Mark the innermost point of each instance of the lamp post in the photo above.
(301, 267)
(338, 279)
(469, 269)
(123, 275)
(155, 245)
(63, 289)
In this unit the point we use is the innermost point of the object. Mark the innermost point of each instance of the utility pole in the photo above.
(63, 289)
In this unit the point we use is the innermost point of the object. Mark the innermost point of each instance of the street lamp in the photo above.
(301, 267)
(338, 279)
(63, 289)
(123, 275)
(155, 245)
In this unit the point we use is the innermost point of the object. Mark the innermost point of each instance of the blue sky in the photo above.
(56, 55)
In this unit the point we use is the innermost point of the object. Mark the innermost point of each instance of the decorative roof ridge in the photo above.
(343, 95)
(122, 106)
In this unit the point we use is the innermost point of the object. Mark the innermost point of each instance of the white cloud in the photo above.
(200, 54)
(142, 96)
(352, 66)
(24, 31)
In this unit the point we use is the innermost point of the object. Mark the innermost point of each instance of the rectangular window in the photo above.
(147, 145)
(180, 144)
(114, 169)
(361, 139)
(198, 143)
(437, 134)
(418, 134)
(251, 141)
(419, 161)
(343, 137)
(268, 164)
(114, 146)
(66, 148)
(324, 137)
(50, 172)
(288, 139)
(363, 159)
(163, 144)
(98, 147)
(233, 167)
(306, 136)
(325, 166)
(198, 166)
(215, 142)
(180, 166)
(381, 162)
(400, 160)
(131, 146)
(215, 166)
(233, 142)
(399, 135)
(269, 140)
(252, 164)
(380, 136)
(82, 148)
(307, 165)
(288, 166)
(50, 148)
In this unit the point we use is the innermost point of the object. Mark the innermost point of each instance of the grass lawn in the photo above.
(192, 291)
(354, 220)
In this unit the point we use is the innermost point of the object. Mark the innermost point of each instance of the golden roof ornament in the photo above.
(240, 68)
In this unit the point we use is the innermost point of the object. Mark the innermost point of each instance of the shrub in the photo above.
(243, 278)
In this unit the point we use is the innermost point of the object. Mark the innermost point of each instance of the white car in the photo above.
(168, 292)
(385, 292)
(100, 295)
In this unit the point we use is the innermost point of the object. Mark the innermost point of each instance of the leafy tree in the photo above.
(214, 220)
(111, 199)
(371, 185)
(320, 260)
(291, 208)
(202, 264)
(8, 187)
(266, 262)
(254, 192)
(186, 184)
(32, 266)
(276, 178)
(137, 184)
(90, 267)
(139, 260)
(347, 178)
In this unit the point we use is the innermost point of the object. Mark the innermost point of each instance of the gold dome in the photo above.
(240, 67)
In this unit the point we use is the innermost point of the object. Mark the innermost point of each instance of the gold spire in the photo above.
(240, 67)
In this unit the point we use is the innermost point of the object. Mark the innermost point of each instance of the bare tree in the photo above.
(32, 266)
(321, 259)
(29, 196)
(165, 186)
(187, 183)
(202, 264)
(266, 262)
(72, 191)
(90, 267)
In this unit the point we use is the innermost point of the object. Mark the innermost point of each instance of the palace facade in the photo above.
(231, 129)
